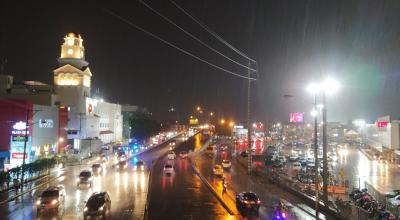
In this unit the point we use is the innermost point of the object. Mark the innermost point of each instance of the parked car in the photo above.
(392, 193)
(293, 158)
(98, 204)
(51, 199)
(395, 201)
(296, 166)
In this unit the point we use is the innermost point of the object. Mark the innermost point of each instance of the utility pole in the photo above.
(316, 160)
(324, 149)
(25, 140)
(249, 157)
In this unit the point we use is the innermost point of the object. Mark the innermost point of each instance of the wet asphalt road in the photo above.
(182, 195)
(127, 189)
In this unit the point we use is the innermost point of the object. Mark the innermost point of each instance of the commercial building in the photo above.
(383, 134)
(86, 117)
(41, 130)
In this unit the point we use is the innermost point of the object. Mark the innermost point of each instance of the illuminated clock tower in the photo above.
(72, 78)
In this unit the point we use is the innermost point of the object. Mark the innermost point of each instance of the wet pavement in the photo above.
(127, 189)
(182, 195)
(239, 181)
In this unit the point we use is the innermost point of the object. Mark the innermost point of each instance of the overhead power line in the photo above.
(174, 46)
(204, 26)
(194, 37)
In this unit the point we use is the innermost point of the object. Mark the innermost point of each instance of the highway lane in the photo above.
(127, 189)
(238, 181)
(182, 195)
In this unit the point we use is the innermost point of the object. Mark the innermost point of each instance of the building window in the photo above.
(70, 51)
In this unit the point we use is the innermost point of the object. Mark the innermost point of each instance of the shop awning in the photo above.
(106, 132)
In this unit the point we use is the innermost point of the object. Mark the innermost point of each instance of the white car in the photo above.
(168, 169)
(226, 164)
(218, 171)
(395, 201)
(171, 155)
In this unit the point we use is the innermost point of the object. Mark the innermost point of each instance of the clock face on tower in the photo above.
(70, 51)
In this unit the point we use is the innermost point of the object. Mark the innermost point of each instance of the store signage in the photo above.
(90, 108)
(19, 128)
(297, 117)
(19, 156)
(382, 124)
(18, 138)
(19, 125)
(46, 123)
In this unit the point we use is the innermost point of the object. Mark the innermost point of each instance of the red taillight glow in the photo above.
(245, 201)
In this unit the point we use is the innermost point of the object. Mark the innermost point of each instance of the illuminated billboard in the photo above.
(296, 117)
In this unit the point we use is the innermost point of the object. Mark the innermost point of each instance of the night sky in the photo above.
(294, 42)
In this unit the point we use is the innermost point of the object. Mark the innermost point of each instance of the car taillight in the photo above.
(245, 201)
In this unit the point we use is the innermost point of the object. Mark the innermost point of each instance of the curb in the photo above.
(203, 179)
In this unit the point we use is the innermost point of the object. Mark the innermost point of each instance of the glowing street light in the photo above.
(211, 113)
(314, 113)
(231, 124)
(198, 108)
(222, 121)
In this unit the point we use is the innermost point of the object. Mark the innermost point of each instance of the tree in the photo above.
(143, 127)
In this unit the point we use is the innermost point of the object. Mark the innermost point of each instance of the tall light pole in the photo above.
(328, 86)
(314, 88)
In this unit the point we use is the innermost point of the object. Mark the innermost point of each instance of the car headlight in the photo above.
(117, 166)
(90, 179)
(101, 208)
(54, 201)
(85, 209)
(38, 202)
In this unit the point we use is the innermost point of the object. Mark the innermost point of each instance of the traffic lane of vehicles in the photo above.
(183, 194)
(269, 197)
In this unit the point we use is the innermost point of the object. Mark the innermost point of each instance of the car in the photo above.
(171, 155)
(183, 154)
(97, 168)
(226, 164)
(247, 201)
(278, 164)
(392, 193)
(121, 165)
(139, 165)
(395, 201)
(243, 154)
(293, 158)
(210, 149)
(168, 169)
(223, 147)
(85, 177)
(172, 143)
(282, 159)
(296, 166)
(218, 171)
(98, 204)
(51, 199)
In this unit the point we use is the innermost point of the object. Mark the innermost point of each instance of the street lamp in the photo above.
(328, 86)
(211, 113)
(222, 121)
(231, 124)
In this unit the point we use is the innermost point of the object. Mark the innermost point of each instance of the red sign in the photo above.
(382, 124)
(19, 156)
(90, 108)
